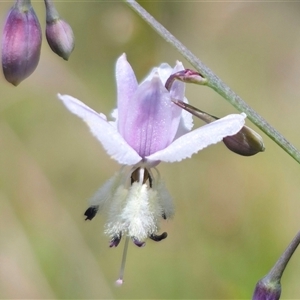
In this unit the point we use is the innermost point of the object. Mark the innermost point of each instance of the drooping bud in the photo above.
(267, 290)
(21, 42)
(246, 142)
(59, 33)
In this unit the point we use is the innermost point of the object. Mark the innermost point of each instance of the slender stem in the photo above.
(278, 269)
(51, 12)
(216, 83)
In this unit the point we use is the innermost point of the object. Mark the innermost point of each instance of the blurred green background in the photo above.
(234, 215)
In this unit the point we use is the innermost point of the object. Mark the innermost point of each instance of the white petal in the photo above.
(164, 71)
(111, 140)
(186, 122)
(200, 138)
(178, 87)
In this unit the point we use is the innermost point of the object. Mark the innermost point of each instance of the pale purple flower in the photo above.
(149, 128)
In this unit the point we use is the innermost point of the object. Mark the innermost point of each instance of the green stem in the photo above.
(216, 83)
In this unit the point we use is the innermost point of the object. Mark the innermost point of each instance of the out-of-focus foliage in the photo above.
(234, 215)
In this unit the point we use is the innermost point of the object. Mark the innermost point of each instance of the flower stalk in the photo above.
(216, 83)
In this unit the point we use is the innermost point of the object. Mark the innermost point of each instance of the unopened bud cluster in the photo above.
(22, 39)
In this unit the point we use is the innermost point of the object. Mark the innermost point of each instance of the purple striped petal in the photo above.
(126, 87)
(148, 127)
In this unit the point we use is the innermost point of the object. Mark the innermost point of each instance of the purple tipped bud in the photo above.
(246, 142)
(21, 42)
(59, 33)
(267, 290)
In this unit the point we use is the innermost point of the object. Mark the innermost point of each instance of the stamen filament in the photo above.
(141, 175)
(122, 269)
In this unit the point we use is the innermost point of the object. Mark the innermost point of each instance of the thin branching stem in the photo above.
(216, 83)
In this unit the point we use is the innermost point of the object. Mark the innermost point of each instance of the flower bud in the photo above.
(267, 290)
(246, 142)
(21, 42)
(59, 33)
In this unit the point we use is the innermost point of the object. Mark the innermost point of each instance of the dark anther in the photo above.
(114, 242)
(138, 243)
(164, 216)
(158, 238)
(91, 212)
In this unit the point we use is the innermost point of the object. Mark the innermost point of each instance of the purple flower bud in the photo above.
(59, 33)
(21, 42)
(246, 142)
(267, 290)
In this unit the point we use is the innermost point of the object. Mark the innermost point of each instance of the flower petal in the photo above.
(186, 122)
(107, 134)
(164, 71)
(149, 127)
(178, 87)
(126, 87)
(177, 92)
(200, 138)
